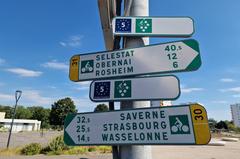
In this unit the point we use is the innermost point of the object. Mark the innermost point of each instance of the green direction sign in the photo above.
(155, 88)
(152, 59)
(153, 26)
(173, 125)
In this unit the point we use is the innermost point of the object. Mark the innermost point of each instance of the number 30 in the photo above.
(198, 114)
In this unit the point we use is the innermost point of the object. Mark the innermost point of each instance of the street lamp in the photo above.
(18, 94)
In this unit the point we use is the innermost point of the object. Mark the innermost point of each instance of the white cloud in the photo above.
(52, 87)
(84, 104)
(6, 97)
(83, 85)
(28, 98)
(184, 89)
(62, 43)
(220, 101)
(233, 89)
(82, 88)
(72, 41)
(34, 97)
(24, 72)
(56, 65)
(227, 80)
(2, 61)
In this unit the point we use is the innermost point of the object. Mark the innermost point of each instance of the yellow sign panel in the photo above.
(200, 124)
(74, 68)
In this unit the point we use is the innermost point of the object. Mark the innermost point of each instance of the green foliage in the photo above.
(57, 144)
(92, 149)
(31, 149)
(23, 113)
(8, 110)
(85, 149)
(2, 128)
(45, 150)
(221, 125)
(60, 109)
(232, 127)
(101, 108)
(237, 129)
(212, 123)
(76, 150)
(104, 149)
(41, 114)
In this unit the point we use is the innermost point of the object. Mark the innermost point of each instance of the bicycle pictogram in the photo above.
(87, 66)
(179, 124)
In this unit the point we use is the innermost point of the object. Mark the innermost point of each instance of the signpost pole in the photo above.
(138, 8)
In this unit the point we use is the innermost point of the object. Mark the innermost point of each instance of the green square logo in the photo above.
(143, 25)
(87, 66)
(179, 124)
(122, 89)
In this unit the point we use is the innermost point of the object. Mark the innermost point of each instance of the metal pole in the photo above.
(138, 8)
(18, 94)
(116, 46)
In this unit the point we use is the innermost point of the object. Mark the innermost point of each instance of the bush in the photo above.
(45, 150)
(31, 149)
(76, 150)
(57, 144)
(104, 149)
(92, 149)
(1, 125)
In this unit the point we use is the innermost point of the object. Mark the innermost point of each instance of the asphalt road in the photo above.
(23, 138)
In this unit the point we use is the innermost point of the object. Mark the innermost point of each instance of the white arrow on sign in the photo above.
(153, 26)
(185, 124)
(145, 88)
(153, 59)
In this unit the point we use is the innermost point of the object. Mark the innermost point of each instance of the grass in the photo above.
(10, 152)
(219, 135)
(83, 150)
(74, 150)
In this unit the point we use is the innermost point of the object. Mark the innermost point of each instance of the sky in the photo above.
(38, 38)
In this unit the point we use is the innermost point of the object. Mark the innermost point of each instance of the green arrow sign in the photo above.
(184, 124)
(153, 59)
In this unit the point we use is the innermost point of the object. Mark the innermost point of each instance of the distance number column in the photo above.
(83, 129)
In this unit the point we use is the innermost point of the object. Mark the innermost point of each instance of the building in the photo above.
(158, 103)
(235, 109)
(20, 124)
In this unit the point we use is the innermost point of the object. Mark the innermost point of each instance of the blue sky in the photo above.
(37, 39)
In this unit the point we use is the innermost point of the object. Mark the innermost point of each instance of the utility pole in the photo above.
(137, 8)
(107, 10)
(18, 94)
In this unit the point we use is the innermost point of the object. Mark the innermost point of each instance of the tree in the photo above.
(60, 110)
(8, 110)
(101, 108)
(23, 113)
(41, 114)
(221, 125)
(212, 123)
